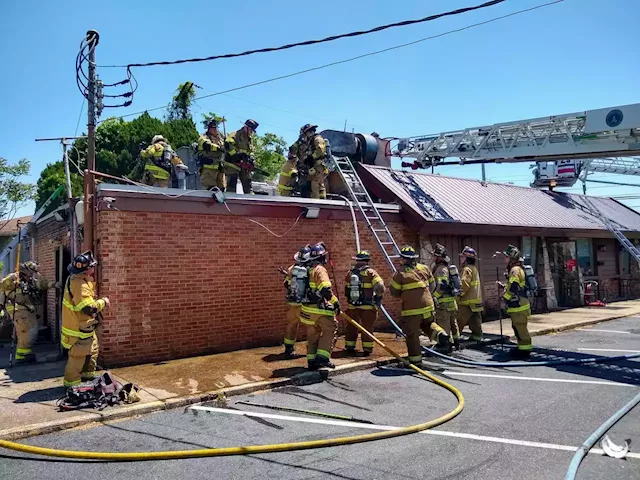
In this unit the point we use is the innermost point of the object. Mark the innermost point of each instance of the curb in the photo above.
(305, 378)
(129, 411)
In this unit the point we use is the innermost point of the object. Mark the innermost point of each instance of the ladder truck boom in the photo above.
(605, 132)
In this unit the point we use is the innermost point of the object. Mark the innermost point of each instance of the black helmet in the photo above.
(29, 267)
(307, 128)
(408, 252)
(212, 123)
(363, 256)
(440, 252)
(82, 262)
(252, 124)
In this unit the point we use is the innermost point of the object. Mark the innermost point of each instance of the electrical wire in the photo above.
(265, 227)
(75, 134)
(314, 42)
(347, 60)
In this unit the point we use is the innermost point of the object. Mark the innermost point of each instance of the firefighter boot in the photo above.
(323, 362)
(519, 354)
(289, 352)
(456, 344)
(26, 358)
(444, 343)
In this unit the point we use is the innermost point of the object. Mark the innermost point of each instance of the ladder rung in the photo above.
(374, 218)
(393, 256)
(386, 243)
(379, 230)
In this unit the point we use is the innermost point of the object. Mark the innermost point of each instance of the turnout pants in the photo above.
(466, 316)
(365, 317)
(293, 319)
(26, 325)
(519, 322)
(317, 180)
(212, 176)
(412, 326)
(321, 334)
(245, 179)
(83, 357)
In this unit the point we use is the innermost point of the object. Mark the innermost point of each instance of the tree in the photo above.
(269, 154)
(180, 106)
(51, 178)
(14, 193)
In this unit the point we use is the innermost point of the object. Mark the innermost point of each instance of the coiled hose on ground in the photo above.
(471, 363)
(255, 449)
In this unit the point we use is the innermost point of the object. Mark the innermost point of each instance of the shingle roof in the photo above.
(440, 198)
(9, 228)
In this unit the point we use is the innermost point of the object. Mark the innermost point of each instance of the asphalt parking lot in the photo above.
(518, 423)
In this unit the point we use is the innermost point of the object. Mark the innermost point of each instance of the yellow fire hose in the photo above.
(255, 449)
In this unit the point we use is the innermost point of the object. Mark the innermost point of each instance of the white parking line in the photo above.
(607, 350)
(602, 330)
(538, 379)
(368, 426)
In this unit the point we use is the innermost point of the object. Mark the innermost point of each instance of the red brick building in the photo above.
(188, 276)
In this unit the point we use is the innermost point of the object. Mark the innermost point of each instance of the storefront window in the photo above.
(529, 250)
(584, 248)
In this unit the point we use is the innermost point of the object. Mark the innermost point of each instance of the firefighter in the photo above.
(413, 283)
(211, 158)
(159, 158)
(239, 147)
(80, 319)
(288, 176)
(311, 151)
(22, 299)
(470, 299)
(295, 293)
(443, 295)
(515, 298)
(319, 310)
(364, 290)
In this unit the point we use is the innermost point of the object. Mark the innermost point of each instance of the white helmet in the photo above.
(157, 138)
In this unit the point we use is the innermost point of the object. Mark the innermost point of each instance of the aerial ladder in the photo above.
(577, 143)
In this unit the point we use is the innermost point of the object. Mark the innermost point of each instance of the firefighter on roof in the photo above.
(159, 159)
(22, 300)
(447, 286)
(240, 149)
(413, 284)
(319, 309)
(211, 158)
(80, 319)
(288, 176)
(364, 290)
(470, 299)
(311, 152)
(515, 298)
(296, 285)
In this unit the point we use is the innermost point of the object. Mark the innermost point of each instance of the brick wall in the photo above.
(190, 284)
(50, 235)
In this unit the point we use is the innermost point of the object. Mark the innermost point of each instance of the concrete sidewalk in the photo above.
(28, 393)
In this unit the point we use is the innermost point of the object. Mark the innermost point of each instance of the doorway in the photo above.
(565, 272)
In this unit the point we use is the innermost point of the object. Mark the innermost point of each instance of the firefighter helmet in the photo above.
(440, 252)
(252, 124)
(513, 253)
(408, 252)
(468, 252)
(212, 123)
(29, 267)
(318, 252)
(82, 262)
(362, 256)
(307, 127)
(302, 256)
(158, 138)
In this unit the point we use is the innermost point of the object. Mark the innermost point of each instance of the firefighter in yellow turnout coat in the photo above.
(159, 159)
(21, 297)
(413, 283)
(444, 295)
(364, 290)
(295, 293)
(470, 299)
(517, 303)
(79, 320)
(239, 145)
(319, 308)
(211, 162)
(311, 151)
(288, 176)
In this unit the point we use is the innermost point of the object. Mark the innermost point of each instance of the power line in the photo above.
(347, 60)
(314, 42)
(80, 116)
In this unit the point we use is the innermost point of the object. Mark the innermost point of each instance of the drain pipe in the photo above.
(595, 436)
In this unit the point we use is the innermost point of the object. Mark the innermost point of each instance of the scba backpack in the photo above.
(99, 393)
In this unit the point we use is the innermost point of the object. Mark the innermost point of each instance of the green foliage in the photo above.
(51, 178)
(180, 107)
(269, 154)
(13, 192)
(211, 115)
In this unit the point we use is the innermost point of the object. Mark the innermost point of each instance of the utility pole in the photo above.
(89, 182)
(64, 141)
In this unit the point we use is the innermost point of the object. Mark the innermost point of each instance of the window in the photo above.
(584, 248)
(625, 259)
(530, 250)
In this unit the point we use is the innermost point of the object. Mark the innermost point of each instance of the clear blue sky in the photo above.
(573, 56)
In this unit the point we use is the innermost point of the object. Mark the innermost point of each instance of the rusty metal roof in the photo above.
(440, 198)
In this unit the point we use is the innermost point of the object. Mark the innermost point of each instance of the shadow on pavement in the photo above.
(34, 372)
(300, 392)
(44, 395)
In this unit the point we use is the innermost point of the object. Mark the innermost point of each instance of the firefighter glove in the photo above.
(377, 299)
(312, 171)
